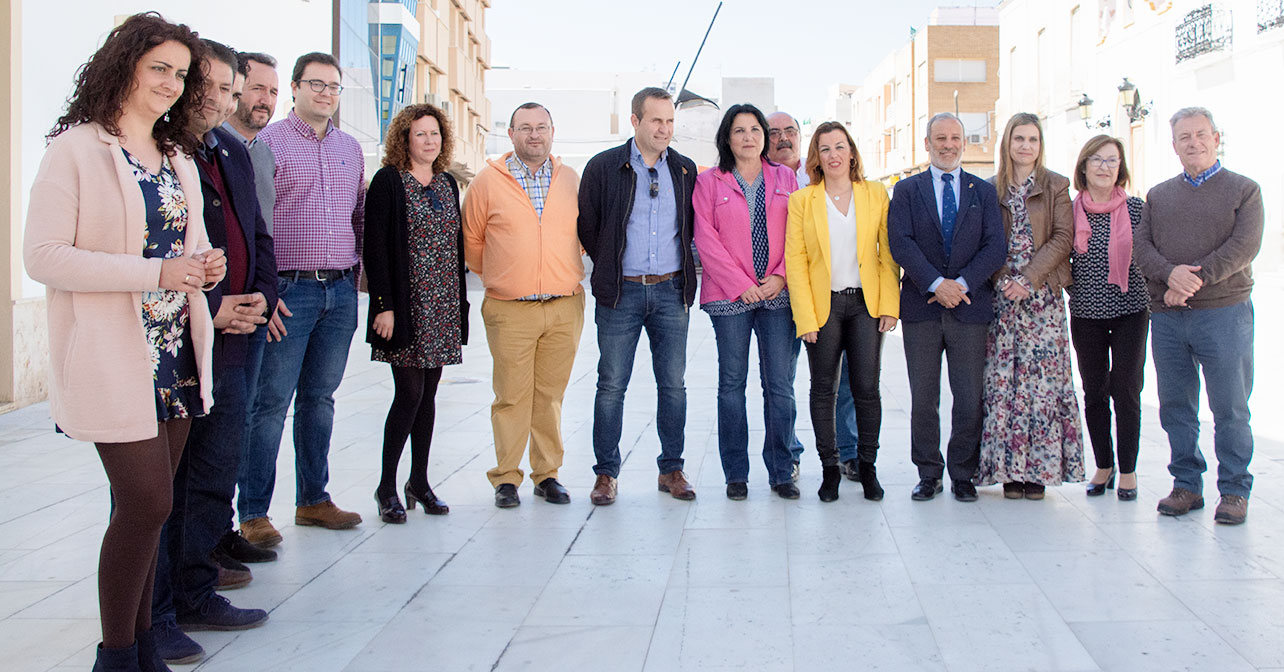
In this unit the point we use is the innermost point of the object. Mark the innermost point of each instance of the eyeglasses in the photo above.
(790, 131)
(655, 182)
(542, 129)
(318, 86)
(434, 203)
(1098, 162)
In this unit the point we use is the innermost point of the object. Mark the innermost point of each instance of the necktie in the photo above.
(949, 211)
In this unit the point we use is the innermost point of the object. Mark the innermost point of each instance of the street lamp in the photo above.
(1130, 101)
(1085, 113)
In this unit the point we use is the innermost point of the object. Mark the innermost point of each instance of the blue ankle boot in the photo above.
(117, 660)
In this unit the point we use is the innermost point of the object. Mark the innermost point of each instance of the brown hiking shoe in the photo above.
(259, 531)
(231, 579)
(604, 490)
(1180, 501)
(675, 483)
(1232, 510)
(326, 515)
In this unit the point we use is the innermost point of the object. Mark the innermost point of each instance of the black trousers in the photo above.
(850, 329)
(1112, 363)
(964, 346)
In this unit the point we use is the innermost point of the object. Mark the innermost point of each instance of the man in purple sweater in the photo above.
(1198, 236)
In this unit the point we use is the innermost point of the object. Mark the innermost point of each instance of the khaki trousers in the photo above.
(533, 346)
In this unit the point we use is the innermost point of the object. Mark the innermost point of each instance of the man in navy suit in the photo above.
(206, 477)
(946, 232)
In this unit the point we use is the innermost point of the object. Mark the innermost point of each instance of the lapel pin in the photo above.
(225, 152)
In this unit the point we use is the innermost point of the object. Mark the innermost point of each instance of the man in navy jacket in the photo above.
(946, 232)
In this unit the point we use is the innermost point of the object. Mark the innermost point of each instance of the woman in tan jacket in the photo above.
(1031, 437)
(115, 232)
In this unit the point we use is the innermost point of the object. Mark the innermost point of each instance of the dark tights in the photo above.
(141, 474)
(413, 412)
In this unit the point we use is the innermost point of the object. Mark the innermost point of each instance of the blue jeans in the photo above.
(1220, 341)
(775, 332)
(662, 311)
(308, 366)
(253, 364)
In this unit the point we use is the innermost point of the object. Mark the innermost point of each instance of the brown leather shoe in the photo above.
(326, 515)
(259, 531)
(1232, 510)
(675, 483)
(604, 490)
(231, 579)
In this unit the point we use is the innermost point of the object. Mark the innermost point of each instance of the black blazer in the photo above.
(386, 258)
(234, 164)
(978, 249)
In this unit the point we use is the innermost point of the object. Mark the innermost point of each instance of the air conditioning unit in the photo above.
(432, 99)
(975, 139)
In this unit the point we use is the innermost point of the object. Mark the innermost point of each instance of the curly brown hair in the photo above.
(396, 150)
(104, 82)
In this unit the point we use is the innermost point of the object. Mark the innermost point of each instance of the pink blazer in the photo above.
(722, 230)
(84, 241)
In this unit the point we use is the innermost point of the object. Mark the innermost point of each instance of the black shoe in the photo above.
(226, 561)
(787, 490)
(737, 491)
(219, 614)
(829, 479)
(851, 470)
(172, 644)
(1013, 490)
(926, 489)
(1099, 489)
(506, 496)
(963, 491)
(552, 492)
(390, 509)
(432, 505)
(868, 477)
(237, 547)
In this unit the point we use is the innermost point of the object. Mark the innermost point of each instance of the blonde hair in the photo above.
(1004, 175)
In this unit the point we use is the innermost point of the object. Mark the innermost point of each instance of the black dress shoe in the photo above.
(432, 505)
(1099, 489)
(239, 548)
(506, 496)
(830, 477)
(390, 509)
(787, 490)
(737, 491)
(227, 562)
(868, 477)
(964, 491)
(552, 492)
(851, 470)
(926, 489)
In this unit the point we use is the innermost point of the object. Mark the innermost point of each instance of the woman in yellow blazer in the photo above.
(845, 294)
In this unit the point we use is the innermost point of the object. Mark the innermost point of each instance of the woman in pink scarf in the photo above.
(1108, 313)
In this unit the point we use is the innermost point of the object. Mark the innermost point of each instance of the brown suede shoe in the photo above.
(231, 579)
(1232, 510)
(1180, 501)
(675, 483)
(604, 490)
(259, 531)
(326, 515)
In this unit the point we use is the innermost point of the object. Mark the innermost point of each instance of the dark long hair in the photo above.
(727, 160)
(104, 82)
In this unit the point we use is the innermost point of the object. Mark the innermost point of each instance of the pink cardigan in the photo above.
(722, 230)
(84, 241)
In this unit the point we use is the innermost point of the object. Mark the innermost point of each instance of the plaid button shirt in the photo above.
(320, 196)
(534, 184)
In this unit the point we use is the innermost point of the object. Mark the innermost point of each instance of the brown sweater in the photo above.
(1217, 225)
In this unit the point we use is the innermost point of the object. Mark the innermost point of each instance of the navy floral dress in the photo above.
(165, 312)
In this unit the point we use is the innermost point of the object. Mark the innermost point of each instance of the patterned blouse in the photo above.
(756, 196)
(1091, 295)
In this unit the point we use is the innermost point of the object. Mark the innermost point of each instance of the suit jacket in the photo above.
(807, 254)
(977, 250)
(237, 169)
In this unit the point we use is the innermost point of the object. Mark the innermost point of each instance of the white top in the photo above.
(803, 178)
(844, 265)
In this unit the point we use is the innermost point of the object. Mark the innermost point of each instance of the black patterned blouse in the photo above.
(1092, 296)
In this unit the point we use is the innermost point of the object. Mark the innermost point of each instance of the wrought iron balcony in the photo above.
(1270, 14)
(1203, 31)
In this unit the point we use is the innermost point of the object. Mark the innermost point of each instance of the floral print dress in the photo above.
(165, 312)
(1031, 432)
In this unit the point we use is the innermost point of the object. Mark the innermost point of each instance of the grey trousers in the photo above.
(964, 347)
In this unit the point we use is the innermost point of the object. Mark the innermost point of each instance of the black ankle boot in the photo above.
(829, 479)
(149, 659)
(869, 480)
(117, 660)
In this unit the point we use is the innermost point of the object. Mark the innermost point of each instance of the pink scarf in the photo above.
(1120, 250)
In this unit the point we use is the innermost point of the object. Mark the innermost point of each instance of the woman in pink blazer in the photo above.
(115, 232)
(740, 212)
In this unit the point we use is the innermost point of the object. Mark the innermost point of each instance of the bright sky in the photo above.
(805, 46)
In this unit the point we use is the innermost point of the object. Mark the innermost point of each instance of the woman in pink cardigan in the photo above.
(740, 212)
(115, 232)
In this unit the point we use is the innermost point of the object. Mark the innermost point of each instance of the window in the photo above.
(976, 125)
(959, 70)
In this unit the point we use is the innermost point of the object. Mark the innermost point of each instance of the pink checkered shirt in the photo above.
(320, 196)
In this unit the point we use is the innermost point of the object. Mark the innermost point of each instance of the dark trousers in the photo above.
(964, 346)
(852, 331)
(1112, 363)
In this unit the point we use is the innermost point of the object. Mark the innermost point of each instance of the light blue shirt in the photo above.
(938, 187)
(652, 243)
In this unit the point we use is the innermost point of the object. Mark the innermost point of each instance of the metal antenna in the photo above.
(697, 56)
(672, 75)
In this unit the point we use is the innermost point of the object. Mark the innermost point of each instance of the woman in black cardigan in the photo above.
(414, 267)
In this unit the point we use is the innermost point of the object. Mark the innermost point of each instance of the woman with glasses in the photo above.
(1109, 316)
(740, 211)
(1031, 436)
(414, 267)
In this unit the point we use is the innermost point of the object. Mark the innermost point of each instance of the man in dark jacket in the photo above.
(636, 222)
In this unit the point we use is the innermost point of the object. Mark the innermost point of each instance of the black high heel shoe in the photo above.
(1126, 494)
(1099, 489)
(390, 509)
(432, 505)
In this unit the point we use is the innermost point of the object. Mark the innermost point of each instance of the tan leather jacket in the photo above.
(1052, 221)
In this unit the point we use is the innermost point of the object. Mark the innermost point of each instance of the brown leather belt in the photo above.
(651, 279)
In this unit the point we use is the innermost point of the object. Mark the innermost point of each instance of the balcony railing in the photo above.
(1270, 14)
(1203, 31)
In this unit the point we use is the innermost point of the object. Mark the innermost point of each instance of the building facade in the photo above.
(452, 62)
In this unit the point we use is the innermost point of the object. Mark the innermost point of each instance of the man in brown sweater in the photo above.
(1198, 236)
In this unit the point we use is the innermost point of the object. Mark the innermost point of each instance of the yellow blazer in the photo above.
(807, 253)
